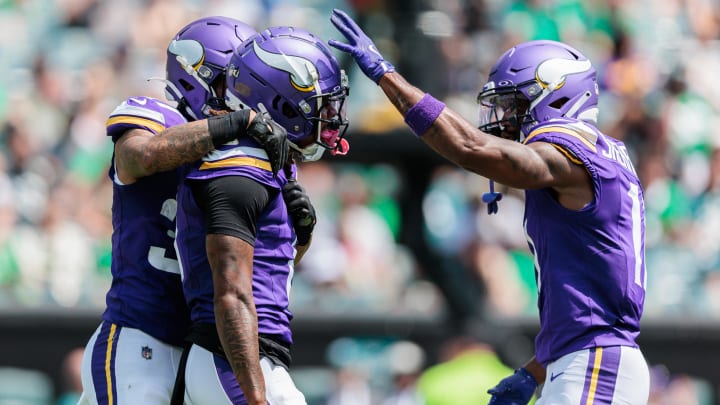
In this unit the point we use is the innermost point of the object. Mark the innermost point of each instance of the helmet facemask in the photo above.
(329, 122)
(503, 111)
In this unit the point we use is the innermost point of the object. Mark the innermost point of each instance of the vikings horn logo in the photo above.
(303, 74)
(552, 73)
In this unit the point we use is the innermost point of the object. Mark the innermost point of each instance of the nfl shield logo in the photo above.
(146, 352)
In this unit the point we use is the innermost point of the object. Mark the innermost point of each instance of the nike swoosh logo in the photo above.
(554, 376)
(141, 101)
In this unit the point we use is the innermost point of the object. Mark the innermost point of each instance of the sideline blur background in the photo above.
(411, 292)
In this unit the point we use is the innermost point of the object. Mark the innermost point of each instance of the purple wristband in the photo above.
(421, 116)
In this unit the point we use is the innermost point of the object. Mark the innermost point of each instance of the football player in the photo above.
(584, 210)
(133, 355)
(239, 227)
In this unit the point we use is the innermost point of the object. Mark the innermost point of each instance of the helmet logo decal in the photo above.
(552, 73)
(303, 74)
(188, 52)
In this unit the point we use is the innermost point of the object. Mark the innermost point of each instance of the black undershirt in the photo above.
(232, 204)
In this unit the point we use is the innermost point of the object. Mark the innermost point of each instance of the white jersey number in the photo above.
(634, 194)
(157, 255)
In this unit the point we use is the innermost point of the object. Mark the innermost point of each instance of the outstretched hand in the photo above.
(272, 137)
(360, 46)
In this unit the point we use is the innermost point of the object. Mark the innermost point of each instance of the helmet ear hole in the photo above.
(288, 110)
(186, 85)
(559, 103)
(278, 104)
(219, 80)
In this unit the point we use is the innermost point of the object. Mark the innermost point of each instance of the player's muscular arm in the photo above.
(570, 180)
(139, 153)
(231, 262)
(401, 94)
(505, 161)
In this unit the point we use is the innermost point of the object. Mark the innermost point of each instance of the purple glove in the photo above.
(516, 389)
(360, 46)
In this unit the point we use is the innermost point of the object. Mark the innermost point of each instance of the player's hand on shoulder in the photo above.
(516, 389)
(227, 127)
(272, 137)
(301, 211)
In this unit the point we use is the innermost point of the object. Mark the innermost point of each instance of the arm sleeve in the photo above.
(232, 205)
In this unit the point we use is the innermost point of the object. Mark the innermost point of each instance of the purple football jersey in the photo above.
(274, 250)
(589, 264)
(146, 292)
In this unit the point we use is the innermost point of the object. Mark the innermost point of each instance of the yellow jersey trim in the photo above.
(568, 155)
(237, 161)
(563, 130)
(108, 360)
(129, 119)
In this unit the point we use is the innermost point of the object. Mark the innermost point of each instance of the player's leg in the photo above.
(209, 379)
(127, 366)
(145, 368)
(280, 388)
(633, 382)
(602, 375)
(89, 395)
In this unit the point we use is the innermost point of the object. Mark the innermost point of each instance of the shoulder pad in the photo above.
(142, 112)
(574, 132)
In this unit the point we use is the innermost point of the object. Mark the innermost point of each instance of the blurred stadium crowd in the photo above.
(67, 63)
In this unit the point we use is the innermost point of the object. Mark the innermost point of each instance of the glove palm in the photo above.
(360, 46)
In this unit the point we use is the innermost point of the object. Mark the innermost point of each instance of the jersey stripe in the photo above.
(237, 161)
(594, 376)
(144, 111)
(235, 151)
(563, 130)
(568, 154)
(127, 119)
(108, 361)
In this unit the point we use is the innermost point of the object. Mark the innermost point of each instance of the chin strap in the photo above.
(491, 199)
